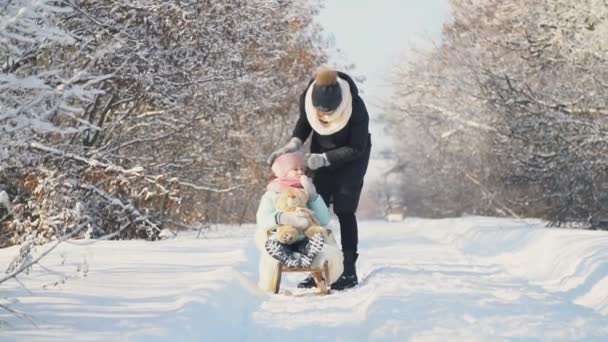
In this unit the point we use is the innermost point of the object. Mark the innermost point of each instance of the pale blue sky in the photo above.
(375, 35)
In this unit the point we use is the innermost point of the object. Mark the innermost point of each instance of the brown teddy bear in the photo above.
(294, 199)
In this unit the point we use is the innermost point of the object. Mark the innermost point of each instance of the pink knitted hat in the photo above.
(287, 162)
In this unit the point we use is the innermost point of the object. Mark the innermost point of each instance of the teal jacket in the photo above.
(267, 213)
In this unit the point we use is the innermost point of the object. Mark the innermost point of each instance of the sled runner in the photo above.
(320, 274)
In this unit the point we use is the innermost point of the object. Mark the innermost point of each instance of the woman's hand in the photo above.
(316, 160)
(309, 187)
(293, 145)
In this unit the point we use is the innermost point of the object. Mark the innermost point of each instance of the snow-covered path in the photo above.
(423, 280)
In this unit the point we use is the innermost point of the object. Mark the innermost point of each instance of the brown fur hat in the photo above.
(326, 76)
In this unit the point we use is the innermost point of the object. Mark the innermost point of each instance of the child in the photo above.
(289, 172)
(286, 172)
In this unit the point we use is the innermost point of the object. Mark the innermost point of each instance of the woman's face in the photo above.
(322, 116)
(295, 173)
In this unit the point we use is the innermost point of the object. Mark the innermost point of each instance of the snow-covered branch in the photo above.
(32, 262)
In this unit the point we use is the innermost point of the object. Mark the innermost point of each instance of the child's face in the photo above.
(295, 173)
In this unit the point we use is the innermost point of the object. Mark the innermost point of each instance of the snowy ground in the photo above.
(421, 280)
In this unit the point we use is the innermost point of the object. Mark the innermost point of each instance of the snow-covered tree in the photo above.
(205, 93)
(507, 114)
(34, 97)
(36, 103)
(134, 115)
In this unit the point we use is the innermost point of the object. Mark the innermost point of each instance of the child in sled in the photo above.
(288, 171)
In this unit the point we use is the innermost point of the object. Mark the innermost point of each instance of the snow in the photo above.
(5, 201)
(465, 279)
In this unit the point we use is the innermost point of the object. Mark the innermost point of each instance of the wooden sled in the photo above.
(320, 274)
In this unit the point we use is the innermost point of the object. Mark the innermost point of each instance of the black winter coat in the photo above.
(347, 151)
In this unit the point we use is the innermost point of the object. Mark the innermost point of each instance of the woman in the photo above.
(332, 110)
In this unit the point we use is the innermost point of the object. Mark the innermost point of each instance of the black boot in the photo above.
(307, 283)
(348, 278)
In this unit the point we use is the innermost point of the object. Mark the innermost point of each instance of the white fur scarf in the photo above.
(338, 119)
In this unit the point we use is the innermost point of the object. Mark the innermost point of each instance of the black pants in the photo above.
(349, 232)
(342, 188)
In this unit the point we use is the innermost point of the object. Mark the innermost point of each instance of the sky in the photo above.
(375, 36)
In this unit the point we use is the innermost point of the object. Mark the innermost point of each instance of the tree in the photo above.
(508, 111)
(35, 103)
(166, 114)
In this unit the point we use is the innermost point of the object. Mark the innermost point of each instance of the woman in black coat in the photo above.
(332, 110)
